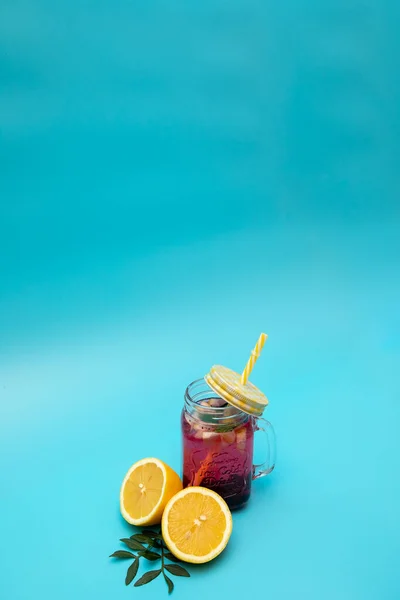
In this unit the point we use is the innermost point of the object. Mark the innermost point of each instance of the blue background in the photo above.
(175, 178)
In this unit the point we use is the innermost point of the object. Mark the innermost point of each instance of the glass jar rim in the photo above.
(211, 415)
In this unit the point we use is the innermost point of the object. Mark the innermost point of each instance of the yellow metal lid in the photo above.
(227, 384)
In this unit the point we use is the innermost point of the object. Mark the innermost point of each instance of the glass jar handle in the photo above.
(266, 467)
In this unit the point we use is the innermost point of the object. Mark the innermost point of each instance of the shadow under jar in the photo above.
(218, 441)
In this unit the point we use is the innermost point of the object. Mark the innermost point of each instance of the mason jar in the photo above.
(218, 444)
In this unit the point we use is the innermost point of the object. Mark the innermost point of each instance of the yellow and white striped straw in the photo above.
(253, 358)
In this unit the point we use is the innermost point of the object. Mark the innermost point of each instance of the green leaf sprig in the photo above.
(149, 545)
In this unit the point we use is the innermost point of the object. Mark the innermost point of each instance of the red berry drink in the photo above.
(218, 450)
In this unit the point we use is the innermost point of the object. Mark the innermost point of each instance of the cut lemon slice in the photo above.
(196, 525)
(146, 489)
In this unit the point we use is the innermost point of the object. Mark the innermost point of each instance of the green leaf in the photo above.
(171, 557)
(131, 572)
(139, 537)
(149, 555)
(223, 428)
(152, 534)
(122, 554)
(133, 544)
(147, 577)
(170, 583)
(177, 570)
